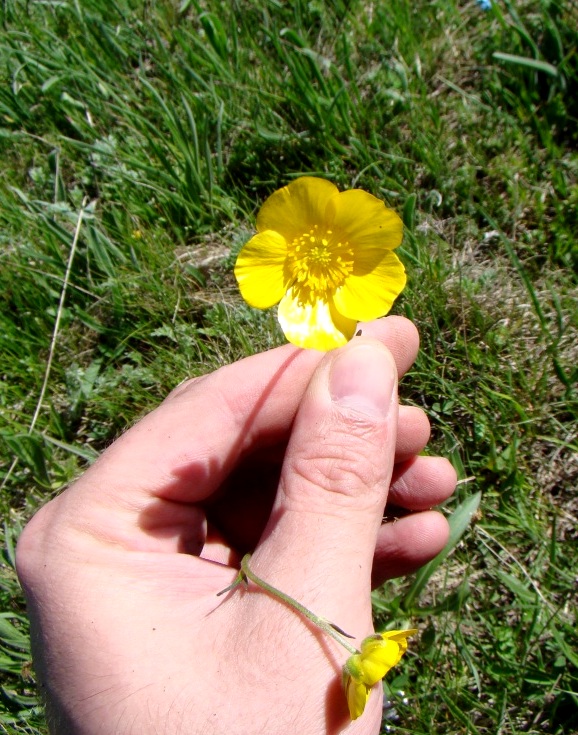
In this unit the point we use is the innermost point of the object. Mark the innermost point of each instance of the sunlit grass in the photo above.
(166, 126)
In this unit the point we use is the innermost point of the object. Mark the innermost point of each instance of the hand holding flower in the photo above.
(288, 455)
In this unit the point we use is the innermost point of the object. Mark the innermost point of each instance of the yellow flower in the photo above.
(326, 257)
(378, 654)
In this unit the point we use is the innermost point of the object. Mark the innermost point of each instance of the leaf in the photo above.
(527, 62)
(409, 212)
(10, 635)
(515, 586)
(459, 522)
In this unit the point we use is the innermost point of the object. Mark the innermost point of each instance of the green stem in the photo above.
(323, 624)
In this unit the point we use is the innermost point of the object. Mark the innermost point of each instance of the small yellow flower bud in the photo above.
(378, 654)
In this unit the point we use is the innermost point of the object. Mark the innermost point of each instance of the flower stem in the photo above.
(323, 624)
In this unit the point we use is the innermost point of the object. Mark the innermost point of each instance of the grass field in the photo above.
(137, 141)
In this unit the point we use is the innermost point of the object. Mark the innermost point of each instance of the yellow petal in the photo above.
(296, 208)
(377, 662)
(369, 296)
(259, 269)
(365, 221)
(400, 636)
(374, 641)
(316, 326)
(357, 695)
(380, 652)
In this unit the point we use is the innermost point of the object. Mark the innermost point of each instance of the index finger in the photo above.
(185, 448)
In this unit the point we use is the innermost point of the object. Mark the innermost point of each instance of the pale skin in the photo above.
(292, 455)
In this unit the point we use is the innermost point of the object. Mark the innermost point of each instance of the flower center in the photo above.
(317, 264)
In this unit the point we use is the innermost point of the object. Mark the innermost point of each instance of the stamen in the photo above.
(317, 264)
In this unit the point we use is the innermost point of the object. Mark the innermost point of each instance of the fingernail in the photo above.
(363, 379)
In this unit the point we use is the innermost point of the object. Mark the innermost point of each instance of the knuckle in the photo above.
(347, 460)
(30, 545)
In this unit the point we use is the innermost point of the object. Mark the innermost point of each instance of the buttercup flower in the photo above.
(378, 654)
(326, 257)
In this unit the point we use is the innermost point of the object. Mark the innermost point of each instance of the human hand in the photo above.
(287, 454)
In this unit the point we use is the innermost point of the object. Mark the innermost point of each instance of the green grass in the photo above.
(155, 130)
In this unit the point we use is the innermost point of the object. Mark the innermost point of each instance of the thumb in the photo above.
(322, 533)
